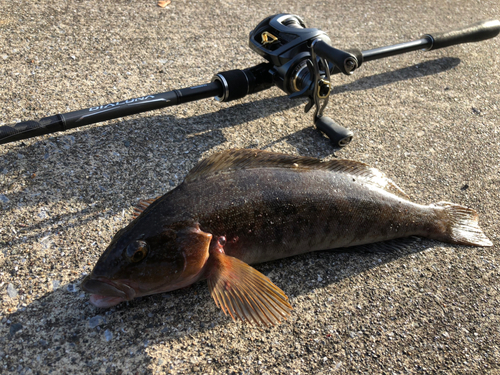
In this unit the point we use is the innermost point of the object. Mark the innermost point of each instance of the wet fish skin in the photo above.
(273, 212)
(273, 222)
(242, 207)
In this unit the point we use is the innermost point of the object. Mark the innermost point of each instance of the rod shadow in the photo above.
(42, 163)
(424, 69)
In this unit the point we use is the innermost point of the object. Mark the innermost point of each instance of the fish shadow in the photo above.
(62, 326)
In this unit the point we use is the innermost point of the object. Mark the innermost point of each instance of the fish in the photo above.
(241, 207)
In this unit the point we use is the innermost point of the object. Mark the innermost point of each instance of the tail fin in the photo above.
(461, 225)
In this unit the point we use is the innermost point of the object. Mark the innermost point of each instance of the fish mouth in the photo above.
(106, 293)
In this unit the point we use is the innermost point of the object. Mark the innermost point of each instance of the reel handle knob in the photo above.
(338, 135)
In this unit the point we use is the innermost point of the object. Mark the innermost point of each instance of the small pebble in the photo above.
(72, 288)
(42, 214)
(14, 328)
(4, 199)
(108, 335)
(11, 291)
(96, 321)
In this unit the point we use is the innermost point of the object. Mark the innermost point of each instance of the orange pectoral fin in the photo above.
(244, 292)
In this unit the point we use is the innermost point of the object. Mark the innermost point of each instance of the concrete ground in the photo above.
(430, 120)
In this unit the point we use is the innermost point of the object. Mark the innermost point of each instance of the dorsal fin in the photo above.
(142, 205)
(236, 159)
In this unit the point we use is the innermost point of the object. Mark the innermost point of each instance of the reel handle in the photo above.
(344, 61)
(339, 136)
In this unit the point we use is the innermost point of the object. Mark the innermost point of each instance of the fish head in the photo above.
(139, 262)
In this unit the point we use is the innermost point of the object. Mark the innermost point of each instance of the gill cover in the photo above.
(171, 260)
(161, 260)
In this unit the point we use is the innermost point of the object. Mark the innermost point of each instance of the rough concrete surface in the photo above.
(430, 120)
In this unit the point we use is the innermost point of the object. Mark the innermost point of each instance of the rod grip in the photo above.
(472, 33)
(28, 129)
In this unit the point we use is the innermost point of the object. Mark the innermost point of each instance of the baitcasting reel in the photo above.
(300, 61)
(303, 63)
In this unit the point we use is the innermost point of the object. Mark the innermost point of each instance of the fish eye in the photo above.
(137, 251)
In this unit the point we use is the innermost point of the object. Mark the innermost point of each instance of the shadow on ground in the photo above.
(62, 328)
(84, 157)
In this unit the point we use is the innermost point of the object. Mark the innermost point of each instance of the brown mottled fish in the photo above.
(242, 207)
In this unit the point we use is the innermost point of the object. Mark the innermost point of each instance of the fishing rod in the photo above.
(300, 61)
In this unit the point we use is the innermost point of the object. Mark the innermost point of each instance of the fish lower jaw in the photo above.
(105, 301)
(106, 293)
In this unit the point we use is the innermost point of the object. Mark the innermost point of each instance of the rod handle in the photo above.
(472, 33)
(28, 129)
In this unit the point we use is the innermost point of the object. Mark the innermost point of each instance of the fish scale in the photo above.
(241, 207)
